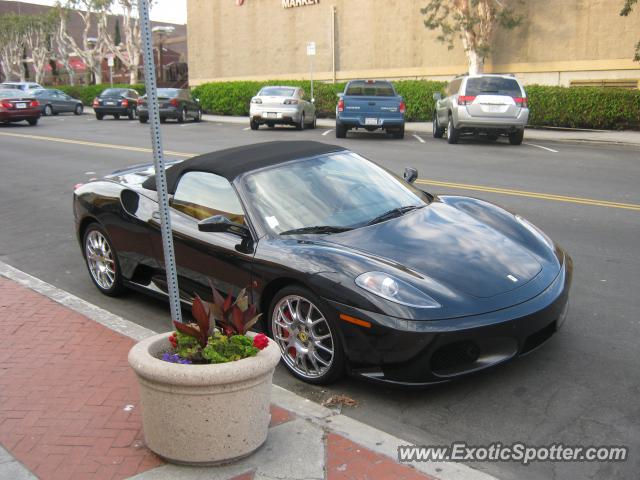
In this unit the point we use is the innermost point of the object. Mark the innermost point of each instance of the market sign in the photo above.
(298, 3)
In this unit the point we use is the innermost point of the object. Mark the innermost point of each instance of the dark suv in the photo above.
(490, 104)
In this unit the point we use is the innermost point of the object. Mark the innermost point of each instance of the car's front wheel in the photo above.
(254, 125)
(515, 138)
(33, 121)
(182, 116)
(48, 111)
(438, 131)
(301, 124)
(102, 261)
(341, 131)
(78, 110)
(307, 336)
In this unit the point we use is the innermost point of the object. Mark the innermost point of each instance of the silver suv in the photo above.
(490, 104)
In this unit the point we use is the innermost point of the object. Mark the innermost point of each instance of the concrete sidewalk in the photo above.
(69, 407)
(624, 137)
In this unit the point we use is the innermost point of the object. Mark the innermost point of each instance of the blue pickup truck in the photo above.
(372, 105)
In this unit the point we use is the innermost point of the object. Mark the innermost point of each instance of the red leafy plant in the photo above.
(219, 334)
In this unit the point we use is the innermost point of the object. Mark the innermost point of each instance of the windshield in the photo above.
(370, 89)
(168, 92)
(493, 86)
(336, 191)
(113, 91)
(277, 92)
(12, 86)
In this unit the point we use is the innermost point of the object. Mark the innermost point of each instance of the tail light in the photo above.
(466, 99)
(35, 103)
(96, 102)
(174, 102)
(403, 107)
(140, 101)
(256, 100)
(521, 102)
(341, 105)
(77, 186)
(6, 104)
(289, 101)
(124, 102)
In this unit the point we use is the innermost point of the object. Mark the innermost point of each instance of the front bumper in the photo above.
(275, 115)
(17, 115)
(422, 352)
(462, 120)
(359, 121)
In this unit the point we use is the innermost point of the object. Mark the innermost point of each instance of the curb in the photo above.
(325, 418)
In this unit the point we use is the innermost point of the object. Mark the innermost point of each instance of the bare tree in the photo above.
(91, 49)
(473, 21)
(130, 52)
(37, 37)
(627, 8)
(12, 46)
(61, 48)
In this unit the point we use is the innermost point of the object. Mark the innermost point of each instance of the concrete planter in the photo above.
(203, 414)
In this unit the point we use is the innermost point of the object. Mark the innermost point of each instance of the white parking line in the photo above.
(420, 139)
(327, 132)
(540, 146)
(246, 128)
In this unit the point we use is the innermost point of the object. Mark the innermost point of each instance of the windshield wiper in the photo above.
(316, 229)
(395, 212)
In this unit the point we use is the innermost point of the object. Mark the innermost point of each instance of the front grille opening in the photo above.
(454, 356)
(536, 339)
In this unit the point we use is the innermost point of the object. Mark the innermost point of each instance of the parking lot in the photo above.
(582, 387)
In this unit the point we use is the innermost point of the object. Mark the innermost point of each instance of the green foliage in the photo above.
(221, 349)
(232, 98)
(87, 93)
(583, 107)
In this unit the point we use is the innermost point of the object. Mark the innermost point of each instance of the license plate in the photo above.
(493, 108)
(21, 105)
(109, 103)
(272, 115)
(371, 121)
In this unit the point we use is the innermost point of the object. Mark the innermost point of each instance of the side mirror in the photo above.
(220, 223)
(437, 96)
(410, 174)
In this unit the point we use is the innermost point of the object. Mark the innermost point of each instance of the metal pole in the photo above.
(111, 76)
(333, 43)
(312, 77)
(158, 161)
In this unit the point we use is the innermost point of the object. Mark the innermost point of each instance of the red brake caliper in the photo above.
(285, 333)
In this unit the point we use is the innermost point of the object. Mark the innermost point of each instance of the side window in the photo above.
(202, 195)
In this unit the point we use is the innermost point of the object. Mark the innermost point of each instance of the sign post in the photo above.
(158, 161)
(110, 62)
(311, 52)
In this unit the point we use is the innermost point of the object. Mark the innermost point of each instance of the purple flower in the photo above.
(175, 358)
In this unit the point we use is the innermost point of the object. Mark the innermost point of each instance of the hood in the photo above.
(449, 246)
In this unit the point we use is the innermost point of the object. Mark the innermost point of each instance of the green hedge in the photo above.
(583, 107)
(87, 93)
(577, 107)
(232, 98)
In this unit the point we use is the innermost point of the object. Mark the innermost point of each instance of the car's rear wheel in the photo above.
(48, 111)
(515, 138)
(142, 119)
(198, 117)
(341, 131)
(399, 133)
(78, 110)
(301, 123)
(99, 116)
(307, 336)
(182, 115)
(33, 121)
(452, 132)
(254, 125)
(438, 131)
(102, 261)
(314, 121)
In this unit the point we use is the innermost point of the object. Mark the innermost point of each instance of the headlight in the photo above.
(395, 290)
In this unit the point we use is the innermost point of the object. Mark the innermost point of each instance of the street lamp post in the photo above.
(162, 31)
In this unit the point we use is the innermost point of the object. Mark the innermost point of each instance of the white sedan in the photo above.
(284, 106)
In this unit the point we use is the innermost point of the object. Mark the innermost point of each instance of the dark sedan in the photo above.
(17, 105)
(53, 102)
(353, 267)
(117, 102)
(174, 103)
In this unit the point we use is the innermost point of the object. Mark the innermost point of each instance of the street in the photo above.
(580, 388)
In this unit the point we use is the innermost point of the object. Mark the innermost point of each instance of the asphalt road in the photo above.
(581, 388)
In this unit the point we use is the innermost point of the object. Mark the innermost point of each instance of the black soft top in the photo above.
(232, 162)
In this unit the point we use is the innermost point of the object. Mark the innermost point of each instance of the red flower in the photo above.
(260, 341)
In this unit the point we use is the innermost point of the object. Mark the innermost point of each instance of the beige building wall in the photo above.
(559, 41)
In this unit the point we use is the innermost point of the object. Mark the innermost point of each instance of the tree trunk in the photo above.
(133, 74)
(476, 62)
(97, 73)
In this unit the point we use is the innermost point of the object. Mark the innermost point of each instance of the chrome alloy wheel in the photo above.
(303, 335)
(100, 260)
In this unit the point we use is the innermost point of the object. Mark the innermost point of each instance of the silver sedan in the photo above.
(282, 105)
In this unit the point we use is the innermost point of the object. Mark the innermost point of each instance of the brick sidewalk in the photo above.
(69, 401)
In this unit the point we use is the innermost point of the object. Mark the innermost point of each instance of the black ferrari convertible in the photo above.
(354, 268)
